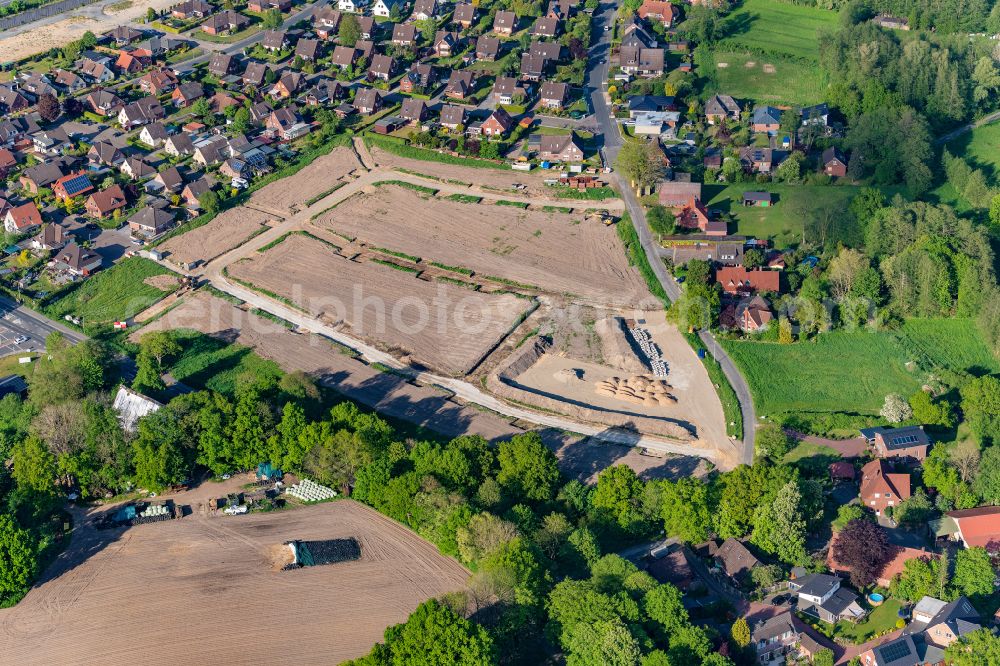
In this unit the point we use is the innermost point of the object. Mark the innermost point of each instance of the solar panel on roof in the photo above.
(894, 651)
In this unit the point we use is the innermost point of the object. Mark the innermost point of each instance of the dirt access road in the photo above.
(205, 591)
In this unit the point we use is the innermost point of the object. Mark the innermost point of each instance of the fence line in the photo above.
(44, 11)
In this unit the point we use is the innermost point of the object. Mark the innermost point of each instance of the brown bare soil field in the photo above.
(556, 252)
(204, 591)
(289, 194)
(502, 179)
(316, 356)
(230, 229)
(443, 326)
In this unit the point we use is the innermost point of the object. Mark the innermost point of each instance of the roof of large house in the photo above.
(132, 406)
(76, 257)
(817, 584)
(736, 278)
(26, 215)
(876, 478)
(773, 627)
(735, 558)
(557, 143)
(766, 115)
(898, 438)
(109, 199)
(979, 526)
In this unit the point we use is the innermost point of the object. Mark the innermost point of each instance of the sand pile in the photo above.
(638, 389)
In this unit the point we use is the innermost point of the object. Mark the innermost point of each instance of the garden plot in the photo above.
(288, 195)
(228, 230)
(205, 591)
(557, 252)
(436, 324)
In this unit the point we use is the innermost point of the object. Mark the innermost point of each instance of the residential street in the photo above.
(597, 71)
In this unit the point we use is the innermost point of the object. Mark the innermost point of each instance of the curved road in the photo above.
(597, 72)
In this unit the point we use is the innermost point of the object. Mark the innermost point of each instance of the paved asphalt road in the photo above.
(597, 72)
(17, 321)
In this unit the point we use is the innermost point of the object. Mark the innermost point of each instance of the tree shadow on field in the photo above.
(583, 458)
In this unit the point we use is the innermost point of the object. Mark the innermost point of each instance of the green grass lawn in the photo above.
(117, 293)
(744, 77)
(779, 28)
(952, 343)
(881, 621)
(208, 363)
(842, 371)
(781, 222)
(981, 149)
(851, 372)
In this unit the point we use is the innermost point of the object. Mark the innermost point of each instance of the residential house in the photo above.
(553, 95)
(7, 162)
(344, 57)
(104, 203)
(13, 100)
(545, 26)
(68, 80)
(498, 124)
(404, 34)
(143, 111)
(77, 260)
(424, 10)
(974, 527)
(675, 194)
(452, 116)
(287, 85)
(446, 43)
(36, 84)
(261, 6)
(774, 638)
(384, 8)
(548, 51)
(158, 81)
(721, 107)
(638, 61)
(505, 23)
(533, 66)
(307, 49)
(635, 35)
(822, 596)
(818, 114)
(51, 142)
(221, 101)
(168, 180)
(353, 6)
(324, 91)
(658, 10)
(187, 94)
(736, 561)
(104, 103)
(13, 130)
(193, 191)
(51, 237)
(508, 90)
(419, 79)
(225, 22)
(487, 48)
(881, 489)
(22, 219)
(834, 163)
(906, 442)
(274, 40)
(766, 119)
(753, 314)
(103, 153)
(366, 25)
(286, 124)
(381, 68)
(39, 176)
(560, 148)
(179, 145)
(153, 134)
(368, 101)
(465, 15)
(260, 112)
(137, 169)
(934, 626)
(150, 222)
(760, 160)
(413, 110)
(95, 71)
(650, 104)
(211, 150)
(191, 9)
(128, 63)
(254, 74)
(461, 84)
(326, 21)
(123, 34)
(739, 281)
(222, 65)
